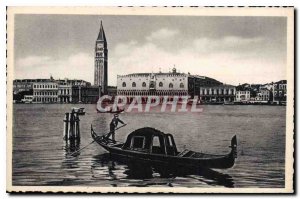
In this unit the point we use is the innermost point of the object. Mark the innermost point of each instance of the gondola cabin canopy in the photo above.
(151, 140)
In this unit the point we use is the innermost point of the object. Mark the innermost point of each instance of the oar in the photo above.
(82, 148)
(93, 141)
(115, 129)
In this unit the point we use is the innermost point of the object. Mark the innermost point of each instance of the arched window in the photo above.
(170, 85)
(133, 84)
(160, 84)
(181, 85)
(124, 84)
(144, 84)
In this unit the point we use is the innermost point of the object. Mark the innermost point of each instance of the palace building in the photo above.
(100, 72)
(144, 84)
(162, 84)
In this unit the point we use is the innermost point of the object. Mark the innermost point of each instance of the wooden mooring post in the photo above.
(77, 126)
(71, 127)
(66, 126)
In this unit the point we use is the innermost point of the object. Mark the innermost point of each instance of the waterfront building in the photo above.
(85, 94)
(64, 93)
(242, 96)
(55, 91)
(45, 92)
(280, 91)
(219, 93)
(145, 84)
(101, 58)
(263, 95)
(195, 82)
(65, 89)
(161, 84)
(21, 85)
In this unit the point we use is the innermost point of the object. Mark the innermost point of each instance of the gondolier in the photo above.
(113, 125)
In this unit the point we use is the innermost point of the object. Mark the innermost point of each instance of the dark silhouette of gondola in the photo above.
(159, 149)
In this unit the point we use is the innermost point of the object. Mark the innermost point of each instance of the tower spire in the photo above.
(101, 35)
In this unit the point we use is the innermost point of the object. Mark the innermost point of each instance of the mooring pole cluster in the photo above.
(71, 126)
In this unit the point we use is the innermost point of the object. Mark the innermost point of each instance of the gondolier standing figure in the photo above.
(113, 125)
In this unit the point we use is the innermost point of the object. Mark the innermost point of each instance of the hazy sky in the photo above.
(230, 49)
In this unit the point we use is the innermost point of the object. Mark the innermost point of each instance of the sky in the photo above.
(232, 50)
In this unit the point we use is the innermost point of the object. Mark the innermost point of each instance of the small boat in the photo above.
(159, 149)
(79, 111)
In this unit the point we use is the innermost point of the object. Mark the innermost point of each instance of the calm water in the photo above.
(40, 154)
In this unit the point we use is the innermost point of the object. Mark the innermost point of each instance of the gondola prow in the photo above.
(234, 146)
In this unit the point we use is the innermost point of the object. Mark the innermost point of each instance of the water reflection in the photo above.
(71, 146)
(141, 171)
(71, 156)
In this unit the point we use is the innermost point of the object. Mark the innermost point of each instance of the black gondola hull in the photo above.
(169, 161)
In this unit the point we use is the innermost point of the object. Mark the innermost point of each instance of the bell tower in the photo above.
(100, 73)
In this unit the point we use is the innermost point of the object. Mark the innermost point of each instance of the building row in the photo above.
(275, 92)
(206, 89)
(55, 91)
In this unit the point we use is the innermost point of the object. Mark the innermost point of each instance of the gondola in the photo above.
(159, 149)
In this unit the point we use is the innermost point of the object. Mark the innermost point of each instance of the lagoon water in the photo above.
(40, 154)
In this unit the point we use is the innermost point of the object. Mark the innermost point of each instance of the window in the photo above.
(160, 84)
(181, 85)
(133, 84)
(157, 146)
(155, 141)
(152, 85)
(123, 84)
(170, 85)
(144, 84)
(137, 142)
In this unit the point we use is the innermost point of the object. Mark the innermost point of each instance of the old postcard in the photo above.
(150, 99)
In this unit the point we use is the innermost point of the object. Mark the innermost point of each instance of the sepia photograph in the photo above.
(150, 99)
